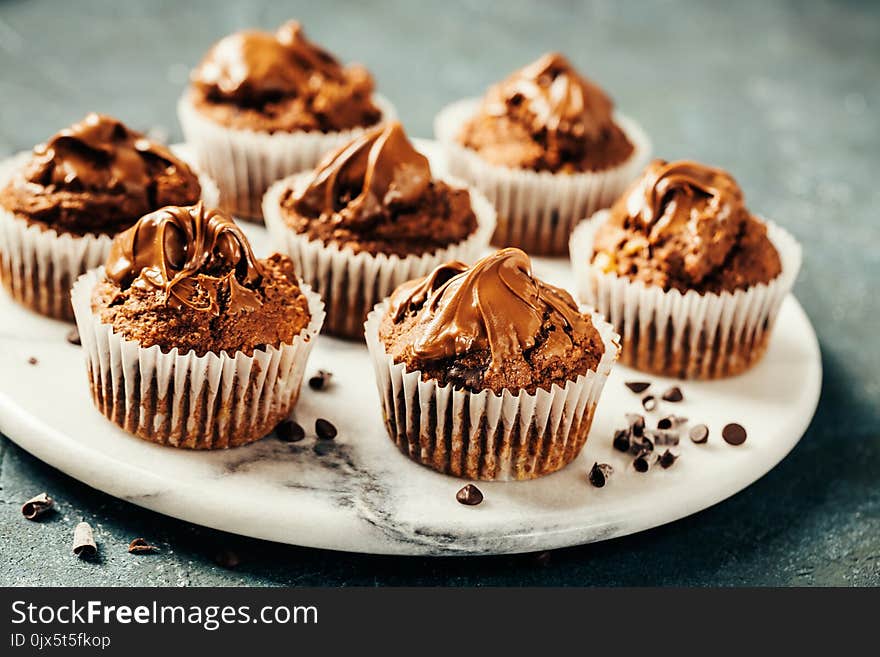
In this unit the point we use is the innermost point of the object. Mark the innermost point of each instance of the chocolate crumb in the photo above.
(470, 495)
(325, 429)
(599, 474)
(321, 380)
(84, 545)
(73, 337)
(699, 434)
(666, 459)
(37, 506)
(674, 394)
(671, 421)
(227, 559)
(636, 424)
(140, 546)
(734, 434)
(289, 431)
(621, 440)
(32, 361)
(649, 403)
(638, 386)
(641, 463)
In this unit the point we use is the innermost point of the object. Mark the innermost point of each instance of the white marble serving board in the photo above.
(358, 493)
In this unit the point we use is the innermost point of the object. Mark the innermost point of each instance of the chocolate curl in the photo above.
(84, 545)
(37, 506)
(140, 546)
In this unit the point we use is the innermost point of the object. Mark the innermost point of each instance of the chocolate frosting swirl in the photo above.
(496, 305)
(100, 153)
(356, 184)
(555, 98)
(253, 67)
(190, 253)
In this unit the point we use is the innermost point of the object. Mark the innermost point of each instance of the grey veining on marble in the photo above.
(786, 95)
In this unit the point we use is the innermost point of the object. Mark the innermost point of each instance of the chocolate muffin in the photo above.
(61, 204)
(370, 217)
(212, 342)
(697, 278)
(274, 104)
(545, 146)
(515, 352)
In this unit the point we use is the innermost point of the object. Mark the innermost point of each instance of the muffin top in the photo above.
(491, 326)
(281, 82)
(683, 225)
(97, 176)
(376, 194)
(546, 117)
(186, 277)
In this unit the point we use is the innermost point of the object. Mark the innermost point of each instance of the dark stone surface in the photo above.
(785, 95)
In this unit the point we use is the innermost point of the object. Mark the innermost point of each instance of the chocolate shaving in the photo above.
(699, 434)
(621, 440)
(325, 429)
(649, 403)
(37, 506)
(734, 434)
(73, 337)
(666, 459)
(469, 495)
(140, 546)
(674, 394)
(289, 431)
(84, 545)
(321, 380)
(638, 386)
(599, 474)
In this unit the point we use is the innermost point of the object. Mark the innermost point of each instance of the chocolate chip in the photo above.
(325, 429)
(37, 506)
(289, 431)
(140, 546)
(649, 403)
(734, 434)
(641, 445)
(73, 337)
(638, 386)
(666, 459)
(321, 380)
(641, 463)
(599, 474)
(674, 394)
(227, 558)
(670, 422)
(84, 545)
(470, 495)
(699, 433)
(32, 361)
(621, 440)
(636, 424)
(661, 437)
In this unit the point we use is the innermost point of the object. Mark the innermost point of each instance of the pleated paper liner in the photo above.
(352, 283)
(38, 265)
(244, 163)
(537, 210)
(690, 335)
(514, 435)
(184, 400)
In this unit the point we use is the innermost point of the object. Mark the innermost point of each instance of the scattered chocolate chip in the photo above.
(599, 474)
(289, 431)
(32, 361)
(636, 424)
(84, 545)
(140, 546)
(699, 433)
(621, 440)
(674, 394)
(671, 421)
(666, 459)
(649, 403)
(227, 558)
(641, 445)
(73, 337)
(734, 434)
(470, 495)
(321, 380)
(325, 429)
(663, 438)
(641, 463)
(37, 506)
(638, 386)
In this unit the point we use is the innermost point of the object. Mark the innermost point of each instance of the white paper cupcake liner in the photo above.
(244, 163)
(352, 283)
(184, 400)
(690, 335)
(486, 436)
(38, 265)
(537, 210)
